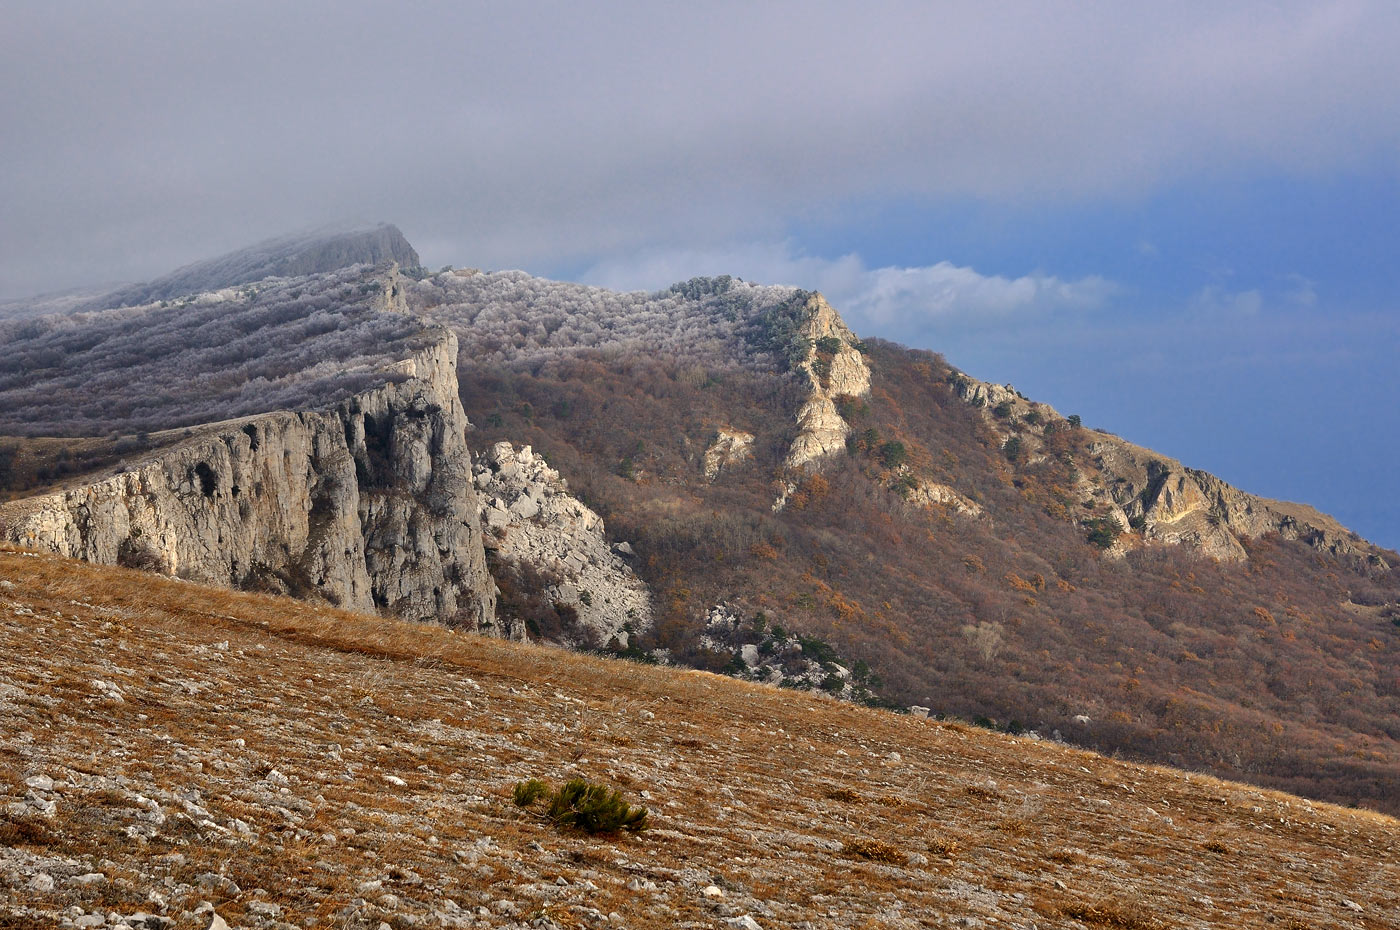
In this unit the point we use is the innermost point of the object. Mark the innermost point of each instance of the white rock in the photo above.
(42, 882)
(743, 923)
(712, 891)
(917, 711)
(395, 780)
(39, 782)
(300, 458)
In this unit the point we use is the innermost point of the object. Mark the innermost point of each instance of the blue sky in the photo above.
(1179, 220)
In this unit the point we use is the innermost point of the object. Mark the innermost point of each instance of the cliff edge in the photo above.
(368, 503)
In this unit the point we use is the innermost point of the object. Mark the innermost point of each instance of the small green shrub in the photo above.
(526, 793)
(1103, 531)
(581, 804)
(893, 454)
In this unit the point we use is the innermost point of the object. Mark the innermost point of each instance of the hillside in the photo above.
(721, 475)
(952, 545)
(164, 745)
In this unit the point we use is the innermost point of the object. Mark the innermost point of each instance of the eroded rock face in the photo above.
(821, 431)
(728, 449)
(834, 368)
(1176, 504)
(934, 494)
(1158, 499)
(368, 504)
(526, 508)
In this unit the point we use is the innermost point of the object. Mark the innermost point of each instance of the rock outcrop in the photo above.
(835, 368)
(368, 504)
(760, 653)
(532, 519)
(729, 448)
(1156, 497)
(933, 494)
(1171, 503)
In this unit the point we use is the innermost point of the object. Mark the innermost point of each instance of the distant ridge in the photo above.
(285, 256)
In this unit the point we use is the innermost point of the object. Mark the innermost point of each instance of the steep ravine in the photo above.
(368, 504)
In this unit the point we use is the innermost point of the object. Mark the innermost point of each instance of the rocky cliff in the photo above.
(368, 503)
(834, 367)
(526, 507)
(1155, 498)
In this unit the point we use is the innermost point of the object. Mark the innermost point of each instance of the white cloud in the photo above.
(889, 300)
(546, 138)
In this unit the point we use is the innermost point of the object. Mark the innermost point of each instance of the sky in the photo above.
(1178, 220)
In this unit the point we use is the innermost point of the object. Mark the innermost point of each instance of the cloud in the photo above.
(141, 136)
(888, 301)
(1212, 301)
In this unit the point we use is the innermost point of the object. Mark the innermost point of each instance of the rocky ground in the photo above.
(532, 518)
(177, 756)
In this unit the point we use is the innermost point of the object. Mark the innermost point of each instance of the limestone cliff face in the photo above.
(834, 367)
(533, 519)
(1187, 506)
(368, 504)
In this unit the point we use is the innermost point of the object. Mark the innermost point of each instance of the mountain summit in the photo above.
(285, 257)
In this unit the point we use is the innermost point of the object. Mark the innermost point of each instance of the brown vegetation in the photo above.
(374, 760)
(1280, 670)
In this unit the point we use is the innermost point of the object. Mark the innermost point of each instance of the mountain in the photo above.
(170, 752)
(283, 257)
(721, 475)
(303, 436)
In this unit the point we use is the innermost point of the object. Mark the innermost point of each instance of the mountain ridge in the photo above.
(941, 542)
(283, 256)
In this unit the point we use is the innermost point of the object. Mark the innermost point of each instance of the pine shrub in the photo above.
(584, 805)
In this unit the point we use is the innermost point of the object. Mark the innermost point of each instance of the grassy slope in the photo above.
(395, 747)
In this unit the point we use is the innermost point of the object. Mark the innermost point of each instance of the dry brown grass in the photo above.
(1111, 914)
(872, 849)
(760, 786)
